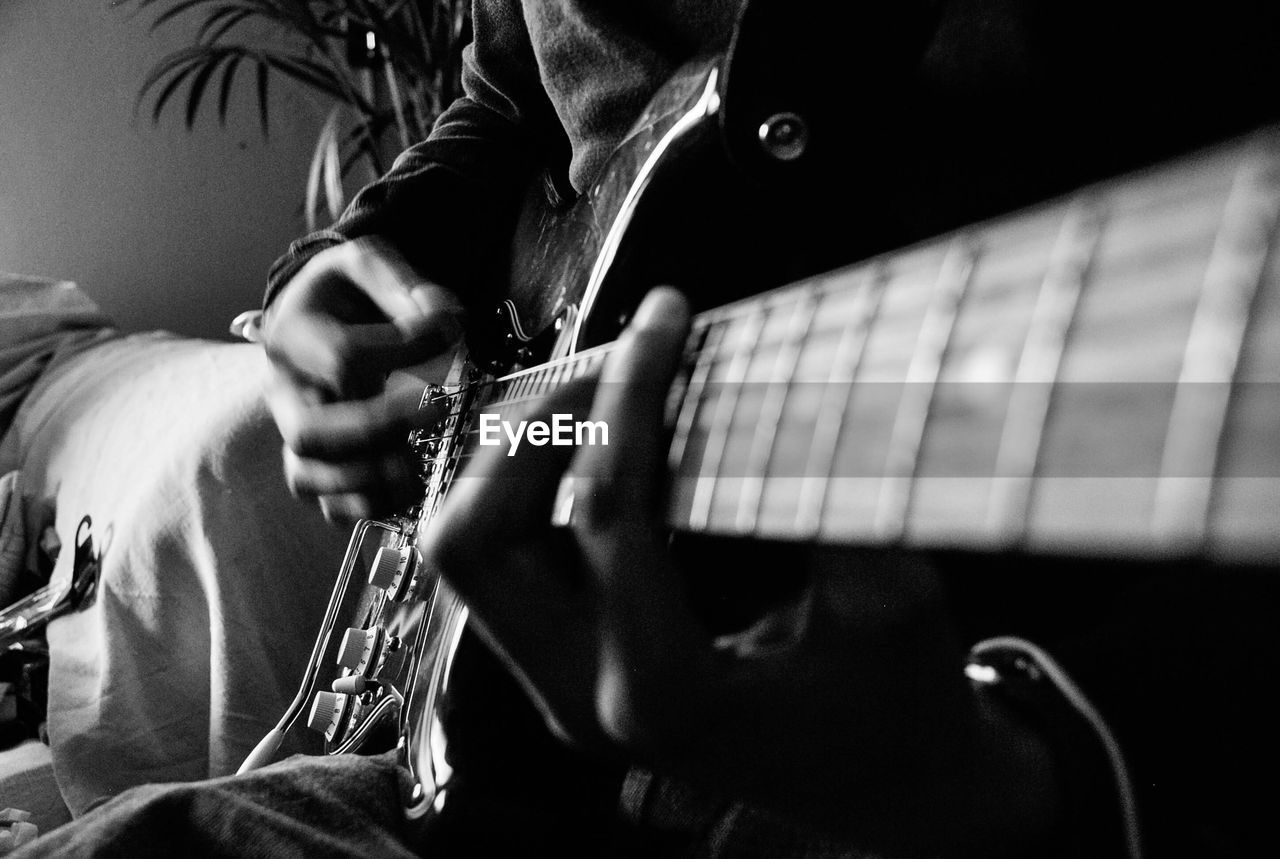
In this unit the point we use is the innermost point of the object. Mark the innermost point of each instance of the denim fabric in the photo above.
(302, 807)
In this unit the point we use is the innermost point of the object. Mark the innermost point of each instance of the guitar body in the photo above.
(671, 207)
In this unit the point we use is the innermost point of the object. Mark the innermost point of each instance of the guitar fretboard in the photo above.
(1100, 375)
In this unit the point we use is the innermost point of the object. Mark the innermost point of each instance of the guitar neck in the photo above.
(1096, 376)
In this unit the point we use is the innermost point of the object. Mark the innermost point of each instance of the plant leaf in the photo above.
(333, 179)
(224, 92)
(198, 84)
(169, 89)
(176, 10)
(264, 83)
(168, 63)
(221, 21)
(308, 72)
(326, 141)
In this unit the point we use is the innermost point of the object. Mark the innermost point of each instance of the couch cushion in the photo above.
(26, 782)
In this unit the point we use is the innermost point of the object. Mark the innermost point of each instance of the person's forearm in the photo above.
(448, 203)
(448, 222)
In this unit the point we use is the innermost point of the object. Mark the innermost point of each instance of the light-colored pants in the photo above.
(213, 578)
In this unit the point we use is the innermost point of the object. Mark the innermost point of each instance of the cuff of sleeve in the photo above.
(1101, 813)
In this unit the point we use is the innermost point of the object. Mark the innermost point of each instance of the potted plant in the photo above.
(389, 66)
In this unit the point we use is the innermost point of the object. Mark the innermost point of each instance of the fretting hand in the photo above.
(851, 712)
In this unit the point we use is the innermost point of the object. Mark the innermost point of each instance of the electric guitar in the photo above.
(1095, 376)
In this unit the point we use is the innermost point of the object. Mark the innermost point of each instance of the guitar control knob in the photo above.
(393, 569)
(357, 646)
(324, 711)
(385, 565)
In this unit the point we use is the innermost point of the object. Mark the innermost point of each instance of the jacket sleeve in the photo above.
(448, 203)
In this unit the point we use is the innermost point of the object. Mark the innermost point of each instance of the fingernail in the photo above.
(662, 308)
(422, 298)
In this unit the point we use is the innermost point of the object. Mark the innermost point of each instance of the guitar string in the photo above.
(783, 375)
(790, 294)
(833, 411)
(538, 388)
(542, 379)
(550, 381)
(1044, 351)
(793, 294)
(1182, 512)
(952, 284)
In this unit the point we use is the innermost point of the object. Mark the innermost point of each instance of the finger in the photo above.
(649, 636)
(631, 398)
(500, 501)
(616, 484)
(347, 509)
(383, 280)
(395, 286)
(352, 360)
(393, 477)
(313, 328)
(344, 430)
(520, 576)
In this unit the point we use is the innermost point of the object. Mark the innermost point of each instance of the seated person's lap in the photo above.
(213, 578)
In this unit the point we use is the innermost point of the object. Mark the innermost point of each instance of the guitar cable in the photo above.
(1034, 683)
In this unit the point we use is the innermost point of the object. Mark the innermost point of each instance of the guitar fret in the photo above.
(524, 386)
(706, 344)
(834, 406)
(722, 421)
(744, 308)
(536, 382)
(923, 372)
(1197, 422)
(542, 381)
(515, 388)
(498, 392)
(779, 387)
(492, 390)
(560, 372)
(1022, 436)
(534, 385)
